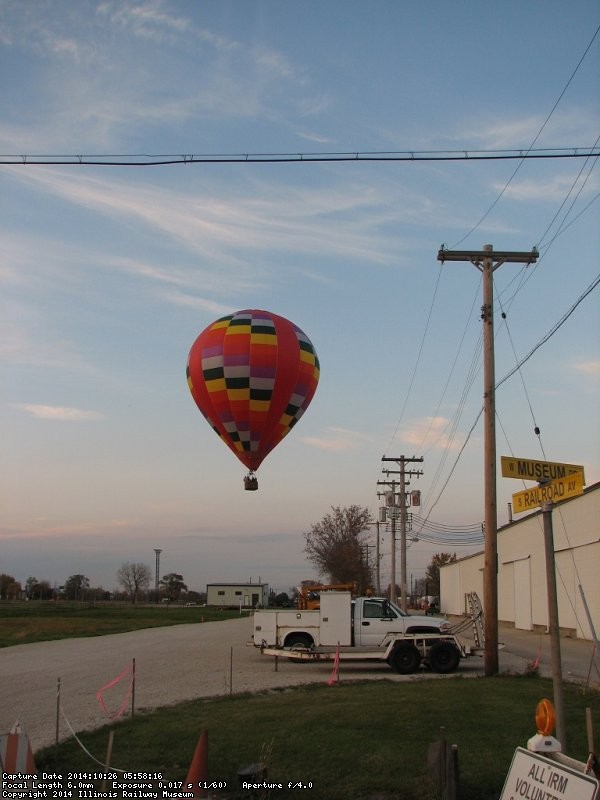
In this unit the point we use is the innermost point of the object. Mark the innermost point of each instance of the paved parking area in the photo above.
(184, 662)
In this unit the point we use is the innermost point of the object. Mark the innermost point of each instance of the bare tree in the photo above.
(133, 578)
(337, 546)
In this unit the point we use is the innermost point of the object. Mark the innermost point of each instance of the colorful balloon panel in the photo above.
(252, 374)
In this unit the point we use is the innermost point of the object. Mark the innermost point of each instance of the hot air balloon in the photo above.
(252, 374)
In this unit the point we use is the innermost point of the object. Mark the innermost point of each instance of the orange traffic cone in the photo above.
(15, 752)
(198, 771)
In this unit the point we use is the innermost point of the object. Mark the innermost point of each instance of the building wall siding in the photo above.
(230, 594)
(522, 589)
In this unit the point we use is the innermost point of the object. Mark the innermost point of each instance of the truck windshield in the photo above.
(395, 610)
(381, 609)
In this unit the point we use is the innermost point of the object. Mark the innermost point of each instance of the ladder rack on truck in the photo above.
(403, 653)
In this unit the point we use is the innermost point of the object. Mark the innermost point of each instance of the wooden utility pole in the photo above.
(487, 261)
(404, 473)
(553, 625)
(392, 592)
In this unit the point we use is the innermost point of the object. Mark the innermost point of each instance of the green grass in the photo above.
(21, 623)
(365, 741)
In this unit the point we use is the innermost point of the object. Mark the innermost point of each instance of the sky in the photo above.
(109, 273)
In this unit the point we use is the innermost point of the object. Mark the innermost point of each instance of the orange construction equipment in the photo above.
(309, 597)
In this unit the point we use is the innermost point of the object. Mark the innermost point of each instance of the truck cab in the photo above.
(373, 618)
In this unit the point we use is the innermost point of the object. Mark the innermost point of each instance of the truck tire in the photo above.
(405, 659)
(298, 640)
(443, 657)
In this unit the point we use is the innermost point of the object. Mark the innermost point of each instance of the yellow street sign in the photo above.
(555, 491)
(525, 469)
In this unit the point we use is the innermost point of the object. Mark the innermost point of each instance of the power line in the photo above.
(166, 159)
(543, 341)
(552, 331)
(530, 149)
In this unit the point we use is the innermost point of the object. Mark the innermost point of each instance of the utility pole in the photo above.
(404, 473)
(392, 593)
(487, 261)
(377, 562)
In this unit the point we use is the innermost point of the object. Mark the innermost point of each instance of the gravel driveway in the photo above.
(173, 664)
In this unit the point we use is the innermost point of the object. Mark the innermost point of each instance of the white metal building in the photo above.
(248, 595)
(522, 592)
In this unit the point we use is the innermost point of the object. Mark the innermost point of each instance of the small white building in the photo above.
(246, 595)
(522, 592)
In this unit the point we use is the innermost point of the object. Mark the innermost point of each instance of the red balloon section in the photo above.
(252, 375)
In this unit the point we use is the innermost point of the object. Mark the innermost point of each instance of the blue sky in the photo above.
(109, 273)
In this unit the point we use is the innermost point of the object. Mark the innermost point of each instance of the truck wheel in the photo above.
(405, 659)
(443, 657)
(298, 640)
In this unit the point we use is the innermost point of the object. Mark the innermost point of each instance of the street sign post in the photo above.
(527, 469)
(553, 492)
(532, 775)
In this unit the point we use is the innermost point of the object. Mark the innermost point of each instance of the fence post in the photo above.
(133, 689)
(57, 716)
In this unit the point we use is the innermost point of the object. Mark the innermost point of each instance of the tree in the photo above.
(7, 584)
(336, 546)
(37, 590)
(134, 578)
(432, 575)
(75, 587)
(279, 599)
(173, 585)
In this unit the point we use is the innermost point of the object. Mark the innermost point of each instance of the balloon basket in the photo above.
(250, 482)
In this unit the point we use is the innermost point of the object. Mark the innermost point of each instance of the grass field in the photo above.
(21, 623)
(365, 741)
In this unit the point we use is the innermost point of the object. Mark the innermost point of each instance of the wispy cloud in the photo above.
(430, 432)
(61, 413)
(44, 528)
(573, 126)
(232, 226)
(588, 367)
(553, 189)
(336, 440)
(148, 20)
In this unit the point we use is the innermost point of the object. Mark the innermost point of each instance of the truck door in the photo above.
(373, 620)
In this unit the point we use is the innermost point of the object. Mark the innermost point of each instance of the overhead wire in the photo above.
(520, 277)
(532, 145)
(418, 358)
(552, 331)
(169, 159)
(581, 188)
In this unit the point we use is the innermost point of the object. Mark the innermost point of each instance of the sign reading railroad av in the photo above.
(534, 777)
(526, 469)
(552, 492)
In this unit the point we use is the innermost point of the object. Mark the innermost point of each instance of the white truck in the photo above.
(367, 628)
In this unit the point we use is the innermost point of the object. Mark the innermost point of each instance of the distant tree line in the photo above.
(132, 578)
(337, 546)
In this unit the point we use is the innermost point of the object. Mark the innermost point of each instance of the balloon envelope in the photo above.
(252, 375)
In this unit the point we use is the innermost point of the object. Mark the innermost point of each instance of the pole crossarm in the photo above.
(476, 257)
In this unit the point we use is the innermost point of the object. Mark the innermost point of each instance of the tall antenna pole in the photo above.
(157, 571)
(487, 261)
